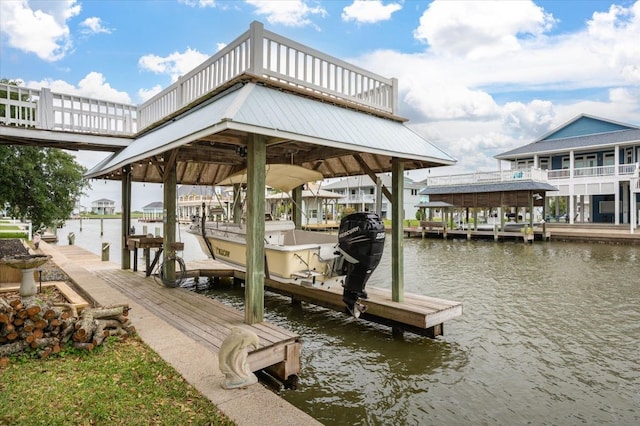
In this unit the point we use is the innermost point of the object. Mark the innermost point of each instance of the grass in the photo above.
(118, 383)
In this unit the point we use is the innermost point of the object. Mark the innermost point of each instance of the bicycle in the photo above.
(163, 269)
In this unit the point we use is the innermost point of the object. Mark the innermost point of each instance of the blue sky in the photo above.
(476, 78)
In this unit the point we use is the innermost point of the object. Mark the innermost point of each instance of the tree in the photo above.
(41, 184)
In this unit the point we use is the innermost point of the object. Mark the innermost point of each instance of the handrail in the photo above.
(44, 109)
(268, 55)
(599, 171)
(479, 178)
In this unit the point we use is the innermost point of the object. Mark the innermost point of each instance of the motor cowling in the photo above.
(361, 243)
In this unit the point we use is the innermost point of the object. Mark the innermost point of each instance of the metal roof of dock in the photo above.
(526, 185)
(332, 139)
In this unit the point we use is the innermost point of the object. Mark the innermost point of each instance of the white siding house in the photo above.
(103, 206)
(360, 193)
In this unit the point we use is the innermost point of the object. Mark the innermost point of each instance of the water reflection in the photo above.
(549, 335)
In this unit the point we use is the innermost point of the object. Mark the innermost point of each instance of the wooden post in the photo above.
(296, 208)
(237, 205)
(105, 252)
(170, 181)
(125, 257)
(254, 286)
(397, 236)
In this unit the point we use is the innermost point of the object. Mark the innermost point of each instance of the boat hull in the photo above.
(295, 256)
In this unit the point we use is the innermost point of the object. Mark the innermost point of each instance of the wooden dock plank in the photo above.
(204, 314)
(416, 311)
(209, 321)
(203, 319)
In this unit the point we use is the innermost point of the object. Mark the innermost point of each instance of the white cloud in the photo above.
(447, 102)
(369, 11)
(480, 29)
(615, 36)
(38, 27)
(528, 121)
(200, 3)
(93, 85)
(174, 65)
(94, 25)
(290, 13)
(146, 94)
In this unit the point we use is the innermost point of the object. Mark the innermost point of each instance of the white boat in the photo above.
(298, 256)
(291, 255)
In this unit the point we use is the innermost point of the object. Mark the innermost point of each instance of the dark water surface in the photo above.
(550, 334)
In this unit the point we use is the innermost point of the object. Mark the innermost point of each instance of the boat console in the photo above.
(361, 242)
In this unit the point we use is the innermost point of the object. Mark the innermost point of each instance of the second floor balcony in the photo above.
(629, 170)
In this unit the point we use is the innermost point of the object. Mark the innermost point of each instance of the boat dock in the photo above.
(201, 318)
(535, 234)
(417, 314)
(581, 232)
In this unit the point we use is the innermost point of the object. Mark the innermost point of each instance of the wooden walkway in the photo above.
(471, 234)
(205, 320)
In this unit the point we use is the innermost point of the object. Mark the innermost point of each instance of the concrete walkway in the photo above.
(255, 405)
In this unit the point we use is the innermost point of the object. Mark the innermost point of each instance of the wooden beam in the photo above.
(296, 199)
(254, 286)
(397, 234)
(365, 167)
(170, 182)
(126, 217)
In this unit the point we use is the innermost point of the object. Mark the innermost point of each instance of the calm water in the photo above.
(550, 335)
(90, 238)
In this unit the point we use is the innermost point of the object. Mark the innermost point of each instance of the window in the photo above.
(609, 159)
(544, 163)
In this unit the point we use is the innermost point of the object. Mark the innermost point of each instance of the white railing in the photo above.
(479, 178)
(600, 171)
(43, 109)
(257, 52)
(362, 198)
(265, 54)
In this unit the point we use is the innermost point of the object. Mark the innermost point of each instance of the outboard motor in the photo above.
(361, 242)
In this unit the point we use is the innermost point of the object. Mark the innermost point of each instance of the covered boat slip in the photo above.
(261, 100)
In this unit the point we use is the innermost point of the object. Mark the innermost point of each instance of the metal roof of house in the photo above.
(581, 133)
(298, 129)
(574, 143)
(525, 185)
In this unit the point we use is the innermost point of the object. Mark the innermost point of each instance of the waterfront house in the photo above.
(103, 206)
(217, 202)
(594, 164)
(361, 192)
(318, 205)
(153, 212)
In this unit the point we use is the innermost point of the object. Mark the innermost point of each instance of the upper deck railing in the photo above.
(479, 178)
(257, 52)
(43, 109)
(261, 53)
